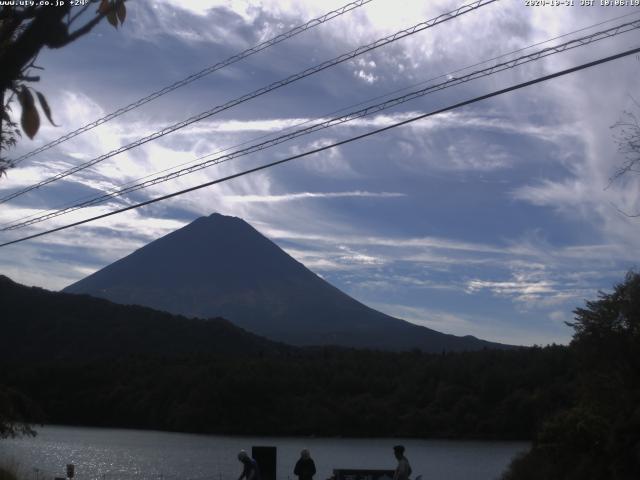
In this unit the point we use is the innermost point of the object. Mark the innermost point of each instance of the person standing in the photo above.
(403, 470)
(250, 469)
(305, 467)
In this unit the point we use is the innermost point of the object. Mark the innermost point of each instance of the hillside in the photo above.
(39, 324)
(221, 266)
(87, 361)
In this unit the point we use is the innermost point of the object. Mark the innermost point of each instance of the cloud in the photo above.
(192, 22)
(309, 195)
(436, 216)
(522, 289)
(328, 163)
(403, 242)
(539, 294)
(479, 326)
(560, 316)
(351, 256)
(203, 7)
(472, 155)
(535, 286)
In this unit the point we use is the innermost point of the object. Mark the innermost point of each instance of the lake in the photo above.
(112, 454)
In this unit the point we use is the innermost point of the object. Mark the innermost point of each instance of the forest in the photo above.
(579, 404)
(598, 436)
(329, 392)
(88, 361)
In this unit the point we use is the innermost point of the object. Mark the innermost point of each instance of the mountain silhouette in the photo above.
(220, 266)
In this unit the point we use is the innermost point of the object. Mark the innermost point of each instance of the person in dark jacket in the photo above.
(305, 468)
(250, 470)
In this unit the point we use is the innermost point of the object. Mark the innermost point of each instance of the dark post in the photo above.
(265, 457)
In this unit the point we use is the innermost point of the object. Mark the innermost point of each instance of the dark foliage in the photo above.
(499, 394)
(25, 29)
(41, 325)
(16, 410)
(91, 362)
(599, 437)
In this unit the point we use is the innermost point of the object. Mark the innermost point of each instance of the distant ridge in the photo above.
(220, 266)
(39, 325)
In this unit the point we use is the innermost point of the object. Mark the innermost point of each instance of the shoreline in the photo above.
(478, 438)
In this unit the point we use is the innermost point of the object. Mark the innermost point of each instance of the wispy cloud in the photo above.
(489, 220)
(310, 195)
(477, 325)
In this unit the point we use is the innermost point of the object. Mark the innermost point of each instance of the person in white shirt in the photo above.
(403, 470)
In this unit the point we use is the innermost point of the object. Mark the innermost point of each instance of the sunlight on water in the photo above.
(111, 454)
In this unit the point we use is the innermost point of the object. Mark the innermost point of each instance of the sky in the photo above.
(495, 220)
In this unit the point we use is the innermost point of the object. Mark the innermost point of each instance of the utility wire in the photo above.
(336, 144)
(343, 109)
(198, 75)
(281, 83)
(67, 205)
(524, 59)
(70, 206)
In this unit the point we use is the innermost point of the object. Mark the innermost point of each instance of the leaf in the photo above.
(121, 11)
(25, 98)
(45, 108)
(30, 120)
(112, 18)
(104, 7)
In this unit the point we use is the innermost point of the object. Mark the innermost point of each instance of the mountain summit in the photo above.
(220, 266)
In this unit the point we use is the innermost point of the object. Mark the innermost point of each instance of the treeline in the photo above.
(37, 324)
(142, 369)
(598, 436)
(88, 361)
(330, 392)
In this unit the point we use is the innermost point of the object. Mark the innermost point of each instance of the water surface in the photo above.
(112, 454)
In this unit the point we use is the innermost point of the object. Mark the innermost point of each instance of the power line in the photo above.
(198, 75)
(336, 144)
(71, 205)
(334, 112)
(524, 59)
(249, 96)
(85, 201)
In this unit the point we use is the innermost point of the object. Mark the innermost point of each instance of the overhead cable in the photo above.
(452, 81)
(261, 91)
(333, 145)
(196, 76)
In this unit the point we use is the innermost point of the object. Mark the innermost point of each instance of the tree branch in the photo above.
(90, 25)
(80, 12)
(84, 30)
(45, 29)
(20, 15)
